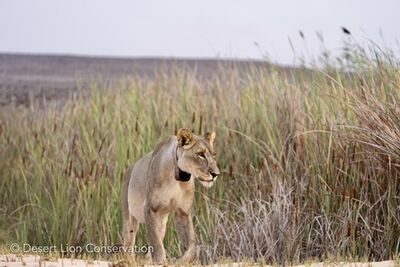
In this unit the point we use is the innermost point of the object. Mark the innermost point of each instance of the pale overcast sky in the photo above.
(206, 28)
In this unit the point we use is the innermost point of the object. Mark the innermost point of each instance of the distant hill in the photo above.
(55, 76)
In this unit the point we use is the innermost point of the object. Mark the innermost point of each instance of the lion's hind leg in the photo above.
(131, 226)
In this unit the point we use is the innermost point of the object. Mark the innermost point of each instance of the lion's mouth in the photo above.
(207, 180)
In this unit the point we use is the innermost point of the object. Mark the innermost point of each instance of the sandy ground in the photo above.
(33, 261)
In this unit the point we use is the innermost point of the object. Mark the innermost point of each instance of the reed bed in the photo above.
(310, 162)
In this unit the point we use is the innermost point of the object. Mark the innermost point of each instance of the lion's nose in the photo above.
(213, 174)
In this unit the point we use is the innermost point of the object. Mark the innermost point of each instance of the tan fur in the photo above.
(152, 189)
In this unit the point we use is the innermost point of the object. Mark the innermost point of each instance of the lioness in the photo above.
(163, 182)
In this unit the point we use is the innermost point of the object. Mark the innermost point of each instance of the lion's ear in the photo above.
(210, 137)
(185, 138)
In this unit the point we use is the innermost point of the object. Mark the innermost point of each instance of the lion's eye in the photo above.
(201, 155)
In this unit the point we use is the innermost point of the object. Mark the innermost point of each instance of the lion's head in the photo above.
(197, 156)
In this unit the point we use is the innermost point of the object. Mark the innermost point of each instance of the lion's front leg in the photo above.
(184, 227)
(156, 225)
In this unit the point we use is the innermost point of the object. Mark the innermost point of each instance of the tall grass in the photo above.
(310, 162)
